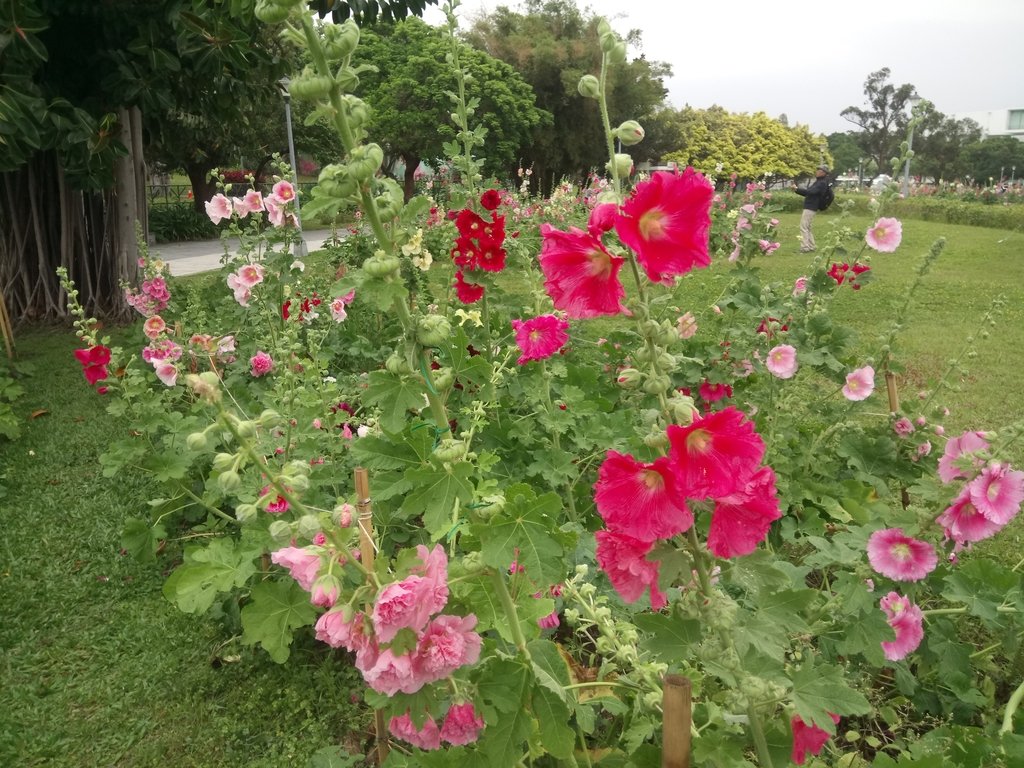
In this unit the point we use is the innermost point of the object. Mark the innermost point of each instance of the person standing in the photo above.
(812, 196)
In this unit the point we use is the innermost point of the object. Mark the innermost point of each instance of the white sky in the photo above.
(809, 59)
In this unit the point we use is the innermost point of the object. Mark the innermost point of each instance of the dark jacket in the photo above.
(812, 194)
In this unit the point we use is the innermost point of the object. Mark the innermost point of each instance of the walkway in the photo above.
(204, 255)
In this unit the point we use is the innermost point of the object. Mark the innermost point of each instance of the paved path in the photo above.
(205, 255)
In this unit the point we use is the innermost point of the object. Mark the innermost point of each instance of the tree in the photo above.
(985, 160)
(940, 151)
(847, 156)
(883, 121)
(409, 108)
(552, 45)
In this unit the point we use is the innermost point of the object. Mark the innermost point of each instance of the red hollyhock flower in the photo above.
(469, 223)
(625, 561)
(712, 393)
(540, 337)
(94, 362)
(640, 500)
(666, 221)
(490, 199)
(491, 259)
(467, 292)
(741, 521)
(716, 455)
(580, 276)
(808, 738)
(838, 272)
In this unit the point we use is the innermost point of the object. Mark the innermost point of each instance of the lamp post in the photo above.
(913, 101)
(300, 248)
(1013, 172)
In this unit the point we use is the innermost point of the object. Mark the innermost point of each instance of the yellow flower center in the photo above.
(901, 551)
(698, 441)
(653, 480)
(652, 224)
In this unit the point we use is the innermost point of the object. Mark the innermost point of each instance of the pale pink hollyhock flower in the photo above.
(963, 523)
(860, 384)
(641, 500)
(782, 362)
(808, 738)
(903, 427)
(448, 642)
(428, 737)
(924, 449)
(907, 621)
(434, 570)
(275, 211)
(284, 192)
(900, 557)
(349, 297)
(317, 424)
(251, 275)
(885, 235)
(462, 725)
(768, 247)
(241, 291)
(735, 255)
(773, 222)
(624, 560)
(225, 345)
(218, 208)
(154, 326)
(389, 673)
(800, 286)
(167, 373)
(346, 432)
(300, 562)
(338, 312)
(251, 203)
(260, 364)
(997, 492)
(967, 444)
(334, 629)
(687, 326)
(362, 430)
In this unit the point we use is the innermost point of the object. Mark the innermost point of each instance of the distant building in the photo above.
(998, 122)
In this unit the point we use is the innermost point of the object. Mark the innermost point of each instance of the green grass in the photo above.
(99, 669)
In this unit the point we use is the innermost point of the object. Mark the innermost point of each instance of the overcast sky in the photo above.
(809, 60)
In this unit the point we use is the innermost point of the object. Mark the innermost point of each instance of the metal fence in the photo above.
(169, 194)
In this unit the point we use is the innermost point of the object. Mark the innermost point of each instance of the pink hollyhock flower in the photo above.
(782, 362)
(260, 364)
(283, 191)
(468, 293)
(907, 621)
(715, 455)
(338, 313)
(808, 738)
(94, 362)
(462, 725)
(666, 222)
(240, 289)
(154, 326)
(434, 570)
(625, 561)
(275, 211)
(325, 591)
(602, 218)
(885, 235)
(540, 337)
(251, 275)
(580, 275)
(161, 351)
(389, 673)
(712, 393)
(859, 384)
(334, 629)
(900, 557)
(768, 247)
(399, 606)
(967, 444)
(800, 286)
(550, 621)
(903, 427)
(448, 643)
(428, 737)
(640, 500)
(167, 373)
(997, 492)
(251, 203)
(687, 326)
(300, 562)
(218, 208)
(741, 521)
(964, 523)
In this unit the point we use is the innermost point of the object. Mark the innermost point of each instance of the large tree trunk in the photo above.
(411, 165)
(202, 188)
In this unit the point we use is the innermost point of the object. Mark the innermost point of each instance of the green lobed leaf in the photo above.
(549, 667)
(821, 690)
(434, 494)
(208, 571)
(552, 716)
(277, 609)
(394, 396)
(670, 638)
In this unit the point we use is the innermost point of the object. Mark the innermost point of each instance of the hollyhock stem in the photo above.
(1011, 709)
(698, 561)
(555, 440)
(501, 589)
(606, 122)
(760, 742)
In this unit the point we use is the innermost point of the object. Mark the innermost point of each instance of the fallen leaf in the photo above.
(38, 412)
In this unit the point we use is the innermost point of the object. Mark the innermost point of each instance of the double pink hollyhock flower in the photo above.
(409, 603)
(666, 222)
(427, 737)
(462, 724)
(260, 364)
(640, 500)
(301, 563)
(580, 275)
(900, 557)
(808, 738)
(449, 642)
(907, 621)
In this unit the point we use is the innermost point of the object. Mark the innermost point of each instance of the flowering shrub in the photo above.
(577, 486)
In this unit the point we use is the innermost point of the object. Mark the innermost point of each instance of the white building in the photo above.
(998, 122)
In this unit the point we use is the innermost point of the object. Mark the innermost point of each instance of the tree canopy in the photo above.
(883, 119)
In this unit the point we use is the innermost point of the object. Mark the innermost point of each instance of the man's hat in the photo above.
(823, 167)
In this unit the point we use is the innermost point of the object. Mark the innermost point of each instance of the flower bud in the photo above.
(629, 133)
(433, 330)
(657, 440)
(223, 462)
(309, 526)
(325, 590)
(589, 87)
(196, 441)
(246, 512)
(281, 531)
(623, 165)
(229, 481)
(269, 418)
(657, 383)
(629, 378)
(246, 429)
(206, 385)
(617, 55)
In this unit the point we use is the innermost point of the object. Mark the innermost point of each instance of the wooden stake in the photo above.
(890, 386)
(5, 328)
(677, 720)
(367, 551)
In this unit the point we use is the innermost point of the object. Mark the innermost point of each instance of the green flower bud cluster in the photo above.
(274, 11)
(382, 266)
(340, 40)
(295, 475)
(720, 611)
(443, 379)
(390, 201)
(433, 330)
(589, 87)
(310, 85)
(620, 165)
(449, 450)
(398, 365)
(629, 133)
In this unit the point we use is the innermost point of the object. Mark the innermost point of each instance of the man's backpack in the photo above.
(827, 197)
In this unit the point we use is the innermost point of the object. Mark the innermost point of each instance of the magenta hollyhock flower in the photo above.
(808, 738)
(624, 560)
(302, 564)
(666, 222)
(712, 393)
(462, 725)
(468, 293)
(741, 521)
(448, 643)
(968, 444)
(997, 492)
(907, 621)
(800, 286)
(602, 218)
(94, 362)
(898, 556)
(885, 235)
(218, 208)
(427, 737)
(550, 621)
(580, 275)
(782, 362)
(964, 523)
(260, 364)
(715, 455)
(859, 384)
(640, 500)
(540, 337)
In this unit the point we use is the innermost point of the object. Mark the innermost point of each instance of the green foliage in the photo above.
(180, 222)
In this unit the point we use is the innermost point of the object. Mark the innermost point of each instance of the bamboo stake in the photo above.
(677, 720)
(5, 328)
(894, 407)
(366, 556)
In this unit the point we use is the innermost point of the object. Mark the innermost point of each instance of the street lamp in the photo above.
(1013, 172)
(913, 101)
(284, 82)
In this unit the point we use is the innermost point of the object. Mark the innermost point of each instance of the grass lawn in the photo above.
(99, 669)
